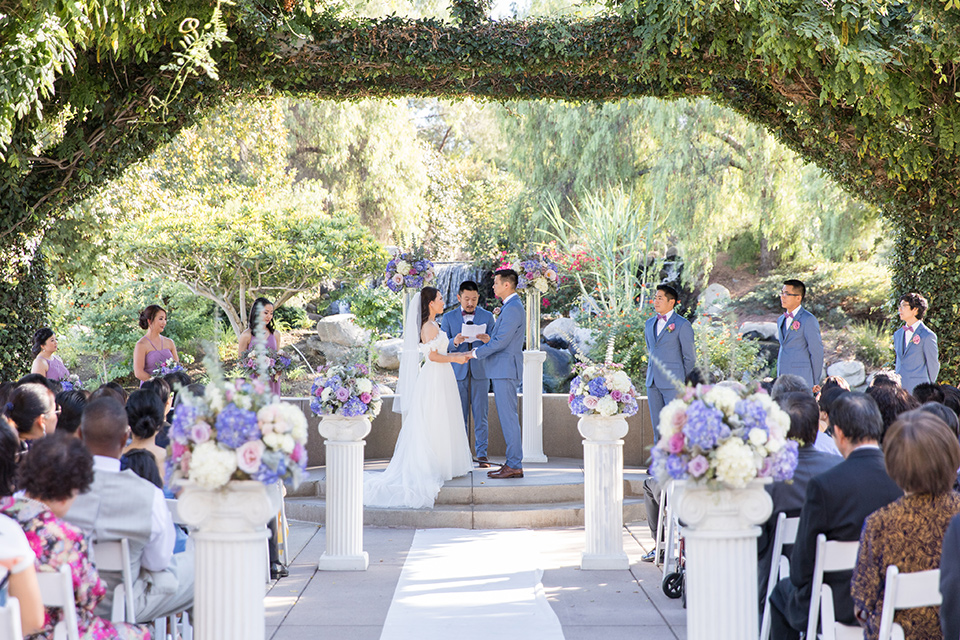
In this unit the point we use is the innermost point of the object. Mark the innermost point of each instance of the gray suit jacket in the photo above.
(916, 363)
(452, 324)
(503, 355)
(801, 349)
(674, 349)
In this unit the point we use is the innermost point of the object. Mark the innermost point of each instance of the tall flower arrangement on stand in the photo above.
(602, 389)
(409, 270)
(534, 271)
(345, 390)
(723, 436)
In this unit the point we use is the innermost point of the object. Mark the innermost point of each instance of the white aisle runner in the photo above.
(459, 584)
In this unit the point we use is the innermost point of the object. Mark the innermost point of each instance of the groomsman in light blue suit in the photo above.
(669, 339)
(503, 359)
(471, 377)
(801, 346)
(915, 345)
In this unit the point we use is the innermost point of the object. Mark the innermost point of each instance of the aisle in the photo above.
(470, 585)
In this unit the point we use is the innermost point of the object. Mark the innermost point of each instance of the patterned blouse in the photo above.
(57, 543)
(908, 533)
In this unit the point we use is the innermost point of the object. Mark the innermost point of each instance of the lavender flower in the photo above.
(598, 387)
(353, 408)
(784, 462)
(752, 416)
(677, 466)
(577, 406)
(704, 427)
(183, 418)
(236, 426)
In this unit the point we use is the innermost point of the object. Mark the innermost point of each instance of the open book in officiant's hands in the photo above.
(472, 332)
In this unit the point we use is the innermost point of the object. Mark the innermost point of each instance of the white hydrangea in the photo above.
(243, 401)
(607, 406)
(758, 437)
(364, 385)
(326, 393)
(723, 398)
(273, 440)
(403, 268)
(295, 420)
(619, 381)
(778, 422)
(736, 463)
(211, 466)
(214, 398)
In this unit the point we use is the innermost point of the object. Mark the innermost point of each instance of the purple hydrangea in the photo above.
(752, 416)
(784, 462)
(577, 406)
(705, 426)
(272, 469)
(598, 387)
(235, 426)
(316, 406)
(677, 466)
(353, 408)
(183, 418)
(630, 406)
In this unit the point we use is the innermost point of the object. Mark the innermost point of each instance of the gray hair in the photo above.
(789, 383)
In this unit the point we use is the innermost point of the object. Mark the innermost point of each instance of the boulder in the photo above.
(766, 330)
(715, 299)
(342, 329)
(850, 370)
(557, 370)
(388, 353)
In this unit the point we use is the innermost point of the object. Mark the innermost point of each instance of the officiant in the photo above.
(467, 327)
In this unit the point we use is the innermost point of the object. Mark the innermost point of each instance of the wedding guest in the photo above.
(162, 388)
(831, 382)
(56, 471)
(915, 344)
(669, 339)
(951, 397)
(824, 440)
(928, 392)
(922, 457)
(31, 409)
(950, 581)
(36, 378)
(788, 496)
(71, 405)
(260, 328)
(835, 504)
(153, 349)
(885, 377)
(145, 416)
(109, 390)
(45, 362)
(142, 463)
(472, 380)
(789, 383)
(892, 401)
(801, 347)
(944, 413)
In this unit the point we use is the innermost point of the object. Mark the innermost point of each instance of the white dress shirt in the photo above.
(662, 323)
(908, 335)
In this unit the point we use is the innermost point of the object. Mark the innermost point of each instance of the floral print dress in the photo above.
(56, 543)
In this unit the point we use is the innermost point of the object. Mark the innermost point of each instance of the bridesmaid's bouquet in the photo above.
(345, 390)
(237, 430)
(602, 389)
(71, 383)
(533, 270)
(166, 367)
(276, 363)
(409, 270)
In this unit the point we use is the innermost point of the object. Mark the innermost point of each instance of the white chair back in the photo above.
(10, 619)
(114, 555)
(833, 630)
(56, 591)
(785, 534)
(174, 509)
(906, 591)
(832, 555)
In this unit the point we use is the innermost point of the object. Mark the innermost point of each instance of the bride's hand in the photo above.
(463, 358)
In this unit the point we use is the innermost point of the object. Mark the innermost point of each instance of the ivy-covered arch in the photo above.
(867, 89)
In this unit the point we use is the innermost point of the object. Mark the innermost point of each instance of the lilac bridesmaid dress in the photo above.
(56, 370)
(155, 357)
(271, 343)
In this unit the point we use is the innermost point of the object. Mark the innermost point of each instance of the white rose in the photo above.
(287, 443)
(540, 285)
(619, 381)
(211, 466)
(403, 268)
(243, 401)
(326, 393)
(736, 463)
(775, 443)
(668, 418)
(273, 440)
(364, 385)
(606, 406)
(758, 437)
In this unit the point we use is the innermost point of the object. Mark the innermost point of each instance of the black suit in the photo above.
(836, 504)
(950, 581)
(788, 498)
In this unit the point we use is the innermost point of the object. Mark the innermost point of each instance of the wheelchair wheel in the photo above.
(672, 585)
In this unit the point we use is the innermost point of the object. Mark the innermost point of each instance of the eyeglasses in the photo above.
(787, 293)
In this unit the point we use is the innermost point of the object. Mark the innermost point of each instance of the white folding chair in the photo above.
(668, 533)
(906, 591)
(785, 534)
(283, 530)
(10, 619)
(832, 556)
(833, 630)
(114, 555)
(181, 627)
(56, 591)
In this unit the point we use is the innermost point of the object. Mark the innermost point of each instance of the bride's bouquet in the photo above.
(345, 390)
(603, 390)
(717, 434)
(166, 367)
(237, 430)
(409, 270)
(533, 270)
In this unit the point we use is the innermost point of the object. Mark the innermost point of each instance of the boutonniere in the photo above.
(671, 327)
(916, 339)
(496, 312)
(795, 325)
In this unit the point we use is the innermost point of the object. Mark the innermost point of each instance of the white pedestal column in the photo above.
(721, 557)
(532, 431)
(344, 525)
(229, 557)
(603, 492)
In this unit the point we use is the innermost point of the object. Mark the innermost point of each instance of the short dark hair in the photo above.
(804, 416)
(71, 410)
(886, 377)
(178, 380)
(857, 416)
(39, 378)
(951, 397)
(789, 383)
(834, 382)
(40, 338)
(948, 415)
(55, 467)
(27, 403)
(928, 392)
(142, 463)
(892, 401)
(104, 423)
(508, 275)
(921, 454)
(828, 397)
(797, 284)
(148, 314)
(670, 291)
(144, 413)
(468, 285)
(917, 302)
(110, 390)
(9, 450)
(160, 387)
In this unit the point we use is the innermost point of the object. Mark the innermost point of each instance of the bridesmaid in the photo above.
(261, 320)
(45, 363)
(153, 348)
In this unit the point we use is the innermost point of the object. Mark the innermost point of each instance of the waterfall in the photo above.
(449, 277)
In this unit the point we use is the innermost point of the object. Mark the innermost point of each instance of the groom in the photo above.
(503, 360)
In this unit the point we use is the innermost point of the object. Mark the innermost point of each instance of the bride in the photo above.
(432, 446)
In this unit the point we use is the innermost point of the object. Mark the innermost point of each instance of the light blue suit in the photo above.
(676, 352)
(503, 360)
(471, 377)
(801, 349)
(916, 363)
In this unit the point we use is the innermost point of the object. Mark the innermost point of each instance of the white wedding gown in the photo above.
(432, 446)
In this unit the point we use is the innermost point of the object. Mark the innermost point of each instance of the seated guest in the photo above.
(788, 383)
(162, 388)
(947, 415)
(145, 416)
(824, 441)
(57, 469)
(32, 411)
(788, 496)
(121, 504)
(922, 457)
(836, 503)
(885, 378)
(951, 397)
(834, 382)
(950, 581)
(928, 392)
(36, 378)
(892, 401)
(110, 390)
(71, 405)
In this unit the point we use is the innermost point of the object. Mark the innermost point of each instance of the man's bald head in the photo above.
(103, 427)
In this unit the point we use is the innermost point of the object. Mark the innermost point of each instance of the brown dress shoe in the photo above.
(483, 462)
(505, 472)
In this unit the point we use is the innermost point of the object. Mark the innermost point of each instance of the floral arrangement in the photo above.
(236, 431)
(409, 270)
(723, 435)
(533, 270)
(277, 362)
(602, 389)
(166, 367)
(71, 383)
(345, 390)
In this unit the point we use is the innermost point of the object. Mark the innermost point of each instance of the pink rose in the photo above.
(177, 449)
(795, 325)
(397, 279)
(671, 327)
(249, 455)
(679, 419)
(916, 339)
(676, 442)
(616, 395)
(342, 394)
(299, 453)
(413, 271)
(228, 394)
(698, 466)
(570, 399)
(200, 432)
(365, 398)
(185, 464)
(319, 391)
(590, 402)
(688, 394)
